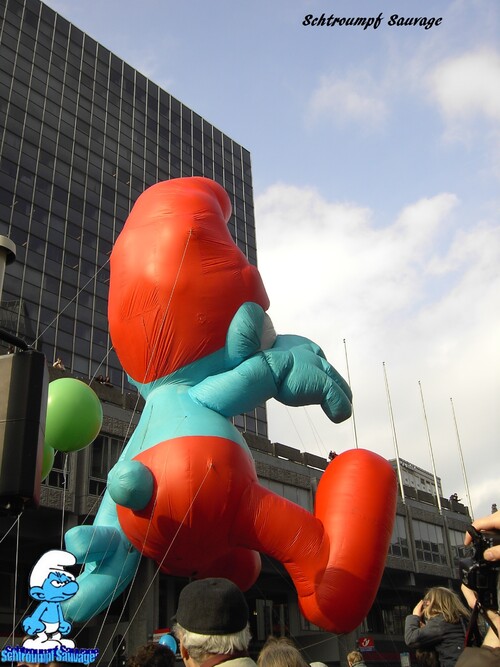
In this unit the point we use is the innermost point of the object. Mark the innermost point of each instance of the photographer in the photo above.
(438, 622)
(491, 522)
(488, 654)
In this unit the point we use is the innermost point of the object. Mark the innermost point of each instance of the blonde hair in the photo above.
(354, 658)
(446, 603)
(280, 652)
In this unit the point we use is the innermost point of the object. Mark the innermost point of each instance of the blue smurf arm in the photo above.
(32, 624)
(292, 369)
(64, 625)
(110, 563)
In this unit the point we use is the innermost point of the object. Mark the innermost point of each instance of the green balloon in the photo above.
(48, 460)
(74, 415)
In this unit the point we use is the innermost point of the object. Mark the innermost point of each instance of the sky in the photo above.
(376, 172)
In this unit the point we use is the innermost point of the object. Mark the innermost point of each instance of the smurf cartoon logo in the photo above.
(50, 584)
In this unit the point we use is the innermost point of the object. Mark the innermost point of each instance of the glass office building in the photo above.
(82, 134)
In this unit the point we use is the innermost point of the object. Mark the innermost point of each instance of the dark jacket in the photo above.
(447, 638)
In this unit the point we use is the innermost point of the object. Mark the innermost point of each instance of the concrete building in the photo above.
(82, 135)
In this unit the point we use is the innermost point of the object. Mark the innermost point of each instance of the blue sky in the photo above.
(376, 173)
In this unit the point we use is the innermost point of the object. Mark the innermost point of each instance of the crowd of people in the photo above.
(276, 652)
(437, 627)
(440, 628)
(212, 627)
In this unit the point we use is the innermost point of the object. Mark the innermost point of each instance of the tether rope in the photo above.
(159, 565)
(150, 361)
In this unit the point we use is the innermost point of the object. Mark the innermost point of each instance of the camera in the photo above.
(478, 574)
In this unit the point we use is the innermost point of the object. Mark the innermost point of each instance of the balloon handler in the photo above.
(187, 317)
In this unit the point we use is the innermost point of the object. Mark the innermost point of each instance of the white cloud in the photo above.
(468, 86)
(356, 98)
(420, 294)
(337, 249)
(466, 90)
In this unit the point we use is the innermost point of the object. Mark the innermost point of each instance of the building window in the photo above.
(60, 470)
(104, 454)
(307, 626)
(394, 619)
(270, 617)
(374, 621)
(296, 495)
(399, 539)
(458, 549)
(429, 542)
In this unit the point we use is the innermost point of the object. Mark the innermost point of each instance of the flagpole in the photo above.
(464, 472)
(430, 450)
(394, 436)
(349, 382)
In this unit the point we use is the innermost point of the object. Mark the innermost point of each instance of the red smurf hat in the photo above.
(177, 278)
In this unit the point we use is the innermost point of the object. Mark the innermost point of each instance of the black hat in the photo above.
(212, 607)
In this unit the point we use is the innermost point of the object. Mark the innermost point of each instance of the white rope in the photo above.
(70, 302)
(15, 521)
(151, 357)
(150, 361)
(65, 483)
(158, 569)
(14, 603)
(160, 328)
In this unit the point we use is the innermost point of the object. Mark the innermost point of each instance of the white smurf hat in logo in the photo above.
(51, 561)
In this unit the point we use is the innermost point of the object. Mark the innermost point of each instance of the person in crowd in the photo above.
(280, 652)
(439, 622)
(152, 654)
(490, 522)
(488, 654)
(354, 658)
(427, 658)
(317, 664)
(211, 624)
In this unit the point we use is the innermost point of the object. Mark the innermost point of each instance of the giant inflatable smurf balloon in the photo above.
(187, 316)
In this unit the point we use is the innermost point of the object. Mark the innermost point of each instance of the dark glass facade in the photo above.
(82, 134)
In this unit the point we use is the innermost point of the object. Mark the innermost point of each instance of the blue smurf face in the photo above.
(59, 586)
